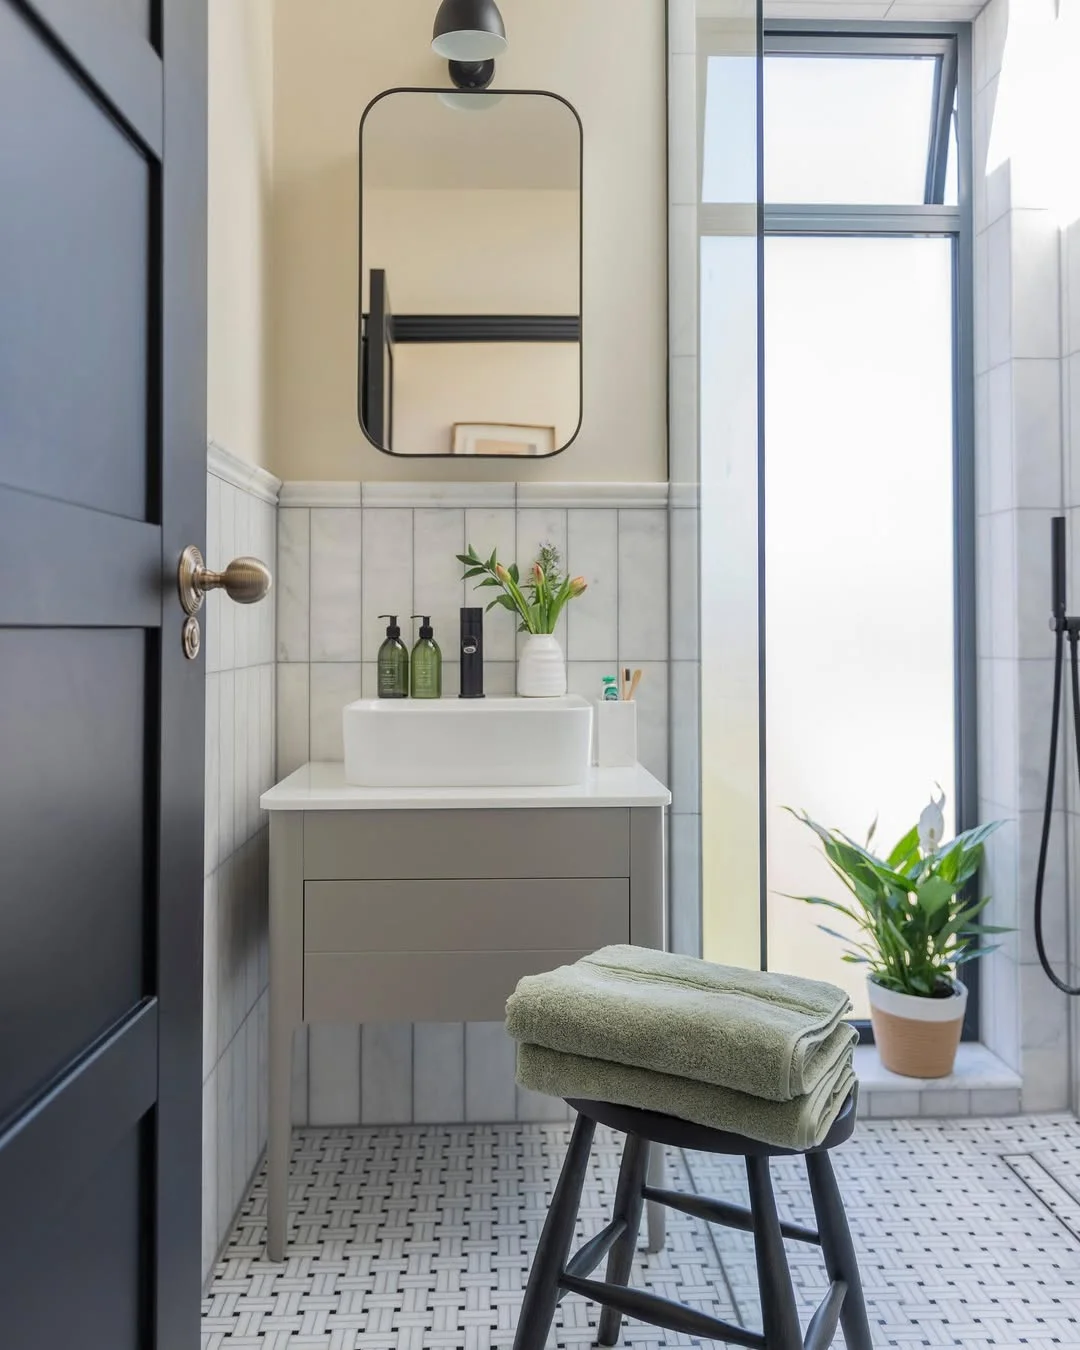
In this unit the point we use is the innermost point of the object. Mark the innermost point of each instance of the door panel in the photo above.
(97, 1257)
(102, 484)
(73, 344)
(72, 825)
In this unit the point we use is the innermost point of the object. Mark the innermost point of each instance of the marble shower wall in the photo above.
(239, 653)
(348, 553)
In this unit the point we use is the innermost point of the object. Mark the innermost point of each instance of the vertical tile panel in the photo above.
(223, 1079)
(643, 586)
(210, 974)
(255, 715)
(535, 526)
(490, 1093)
(293, 582)
(226, 611)
(684, 597)
(240, 759)
(333, 1074)
(238, 1068)
(387, 573)
(226, 763)
(212, 802)
(210, 1235)
(438, 536)
(332, 686)
(387, 1073)
(537, 1106)
(684, 845)
(438, 1071)
(685, 724)
(652, 716)
(336, 548)
(252, 1146)
(292, 718)
(592, 551)
(487, 529)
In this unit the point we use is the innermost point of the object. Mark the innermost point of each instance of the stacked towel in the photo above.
(762, 1055)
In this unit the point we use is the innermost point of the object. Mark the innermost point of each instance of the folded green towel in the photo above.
(799, 1124)
(771, 1036)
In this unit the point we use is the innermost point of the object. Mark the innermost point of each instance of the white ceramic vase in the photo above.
(541, 671)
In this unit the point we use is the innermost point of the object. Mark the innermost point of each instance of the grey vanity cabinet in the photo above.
(435, 914)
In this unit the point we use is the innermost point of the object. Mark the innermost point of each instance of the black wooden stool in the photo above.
(553, 1276)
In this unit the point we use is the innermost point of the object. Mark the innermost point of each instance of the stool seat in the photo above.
(555, 1273)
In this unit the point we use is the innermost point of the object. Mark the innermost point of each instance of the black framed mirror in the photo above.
(471, 218)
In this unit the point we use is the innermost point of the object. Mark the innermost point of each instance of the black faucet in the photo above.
(472, 652)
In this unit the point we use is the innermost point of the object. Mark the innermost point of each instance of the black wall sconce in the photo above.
(470, 34)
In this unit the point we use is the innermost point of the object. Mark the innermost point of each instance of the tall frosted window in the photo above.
(859, 558)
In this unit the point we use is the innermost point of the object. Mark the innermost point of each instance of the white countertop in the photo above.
(322, 787)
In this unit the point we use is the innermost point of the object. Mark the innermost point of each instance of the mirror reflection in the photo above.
(470, 268)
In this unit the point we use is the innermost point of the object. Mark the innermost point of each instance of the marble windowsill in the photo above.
(981, 1084)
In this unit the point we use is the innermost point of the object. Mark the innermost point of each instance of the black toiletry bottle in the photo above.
(472, 652)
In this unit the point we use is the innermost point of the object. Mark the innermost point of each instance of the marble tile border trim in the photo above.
(622, 496)
(250, 478)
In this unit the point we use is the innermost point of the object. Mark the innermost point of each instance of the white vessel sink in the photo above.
(451, 742)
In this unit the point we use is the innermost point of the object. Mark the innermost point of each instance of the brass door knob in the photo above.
(245, 580)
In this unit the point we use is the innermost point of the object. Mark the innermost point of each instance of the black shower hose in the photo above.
(1044, 844)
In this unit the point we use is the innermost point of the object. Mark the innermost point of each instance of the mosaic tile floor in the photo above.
(419, 1238)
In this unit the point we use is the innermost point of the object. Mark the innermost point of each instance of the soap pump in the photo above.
(426, 664)
(393, 662)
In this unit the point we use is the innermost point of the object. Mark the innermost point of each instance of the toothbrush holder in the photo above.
(616, 734)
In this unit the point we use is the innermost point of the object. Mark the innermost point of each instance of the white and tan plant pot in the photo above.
(917, 1037)
(541, 671)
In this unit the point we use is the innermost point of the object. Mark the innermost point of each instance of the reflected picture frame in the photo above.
(501, 438)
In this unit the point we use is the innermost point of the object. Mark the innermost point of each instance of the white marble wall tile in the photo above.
(652, 703)
(997, 450)
(1027, 831)
(534, 527)
(643, 586)
(225, 1188)
(1034, 686)
(212, 789)
(387, 575)
(490, 1093)
(1003, 786)
(333, 1074)
(240, 757)
(438, 1089)
(684, 904)
(226, 762)
(292, 717)
(1002, 578)
(1036, 398)
(1032, 545)
(211, 979)
(387, 1073)
(293, 584)
(685, 574)
(487, 529)
(438, 590)
(336, 544)
(1036, 282)
(332, 686)
(998, 283)
(685, 724)
(258, 732)
(210, 1237)
(592, 551)
(683, 420)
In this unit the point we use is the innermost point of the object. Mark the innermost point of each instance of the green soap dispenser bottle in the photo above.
(426, 666)
(393, 662)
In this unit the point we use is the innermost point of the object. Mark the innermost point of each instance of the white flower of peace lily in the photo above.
(932, 825)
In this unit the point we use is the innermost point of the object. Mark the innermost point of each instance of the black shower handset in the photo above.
(1063, 627)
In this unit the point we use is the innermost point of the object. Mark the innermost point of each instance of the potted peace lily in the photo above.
(537, 603)
(917, 925)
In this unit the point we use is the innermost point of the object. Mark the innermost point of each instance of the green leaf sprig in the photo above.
(536, 602)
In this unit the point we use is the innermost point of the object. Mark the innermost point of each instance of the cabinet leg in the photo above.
(279, 1143)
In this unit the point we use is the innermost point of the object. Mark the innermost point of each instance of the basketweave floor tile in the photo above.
(420, 1238)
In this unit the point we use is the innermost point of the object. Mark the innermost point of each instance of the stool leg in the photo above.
(780, 1317)
(542, 1291)
(628, 1202)
(655, 1213)
(838, 1249)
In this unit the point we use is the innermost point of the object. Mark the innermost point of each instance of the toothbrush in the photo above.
(634, 684)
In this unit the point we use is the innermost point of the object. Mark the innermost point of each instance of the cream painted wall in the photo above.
(240, 171)
(331, 57)
(461, 251)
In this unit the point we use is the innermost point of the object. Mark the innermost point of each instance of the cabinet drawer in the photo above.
(422, 845)
(477, 916)
(425, 987)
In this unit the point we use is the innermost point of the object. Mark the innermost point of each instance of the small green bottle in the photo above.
(426, 666)
(393, 662)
